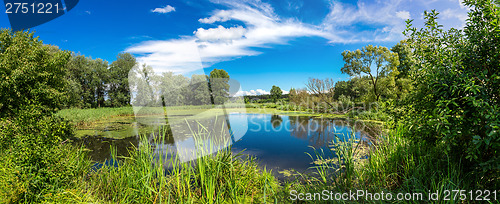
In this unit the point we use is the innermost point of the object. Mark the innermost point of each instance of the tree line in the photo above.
(169, 89)
(94, 83)
(442, 86)
(376, 73)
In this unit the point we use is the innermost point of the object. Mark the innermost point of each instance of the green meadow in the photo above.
(433, 100)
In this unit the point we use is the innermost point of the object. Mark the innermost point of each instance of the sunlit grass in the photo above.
(148, 176)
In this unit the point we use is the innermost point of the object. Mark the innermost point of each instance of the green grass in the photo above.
(121, 122)
(393, 164)
(82, 117)
(142, 178)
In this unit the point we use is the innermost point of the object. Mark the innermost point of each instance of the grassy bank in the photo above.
(393, 165)
(148, 176)
(97, 118)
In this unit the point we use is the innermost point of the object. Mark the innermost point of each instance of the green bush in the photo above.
(456, 100)
(31, 73)
(33, 155)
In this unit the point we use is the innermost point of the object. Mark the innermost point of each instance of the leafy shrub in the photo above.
(31, 73)
(456, 100)
(31, 148)
(369, 115)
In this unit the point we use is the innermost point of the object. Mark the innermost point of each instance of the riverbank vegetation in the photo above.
(436, 92)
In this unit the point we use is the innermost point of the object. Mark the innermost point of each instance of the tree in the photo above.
(405, 58)
(81, 76)
(143, 81)
(171, 89)
(219, 86)
(30, 73)
(455, 104)
(198, 91)
(368, 60)
(292, 94)
(403, 82)
(91, 77)
(119, 90)
(322, 88)
(100, 76)
(276, 93)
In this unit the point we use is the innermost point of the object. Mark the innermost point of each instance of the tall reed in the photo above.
(149, 176)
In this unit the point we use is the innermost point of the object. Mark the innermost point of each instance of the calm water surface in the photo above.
(279, 142)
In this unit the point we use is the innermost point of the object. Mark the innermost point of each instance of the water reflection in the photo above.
(276, 120)
(278, 142)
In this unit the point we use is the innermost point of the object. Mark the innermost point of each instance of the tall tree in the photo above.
(219, 86)
(455, 104)
(406, 61)
(292, 94)
(198, 91)
(119, 89)
(276, 93)
(172, 88)
(100, 71)
(374, 61)
(80, 73)
(91, 77)
(144, 82)
(324, 89)
(30, 73)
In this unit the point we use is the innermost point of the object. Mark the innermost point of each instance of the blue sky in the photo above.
(260, 43)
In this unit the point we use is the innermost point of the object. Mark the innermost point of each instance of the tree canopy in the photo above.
(276, 93)
(455, 104)
(31, 73)
(374, 61)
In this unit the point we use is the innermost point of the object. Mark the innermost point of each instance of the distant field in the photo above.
(86, 117)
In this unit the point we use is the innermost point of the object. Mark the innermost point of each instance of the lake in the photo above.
(279, 142)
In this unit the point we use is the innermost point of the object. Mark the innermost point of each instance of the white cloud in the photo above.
(222, 16)
(403, 15)
(88, 12)
(455, 14)
(220, 33)
(260, 27)
(252, 93)
(257, 92)
(179, 56)
(256, 25)
(347, 21)
(166, 9)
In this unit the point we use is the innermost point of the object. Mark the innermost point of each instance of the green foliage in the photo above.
(403, 83)
(88, 79)
(393, 165)
(456, 98)
(357, 88)
(30, 143)
(30, 73)
(405, 57)
(216, 178)
(219, 86)
(86, 116)
(119, 89)
(368, 59)
(169, 89)
(200, 93)
(368, 115)
(144, 79)
(276, 93)
(173, 89)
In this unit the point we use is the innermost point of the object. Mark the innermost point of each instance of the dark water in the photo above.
(278, 142)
